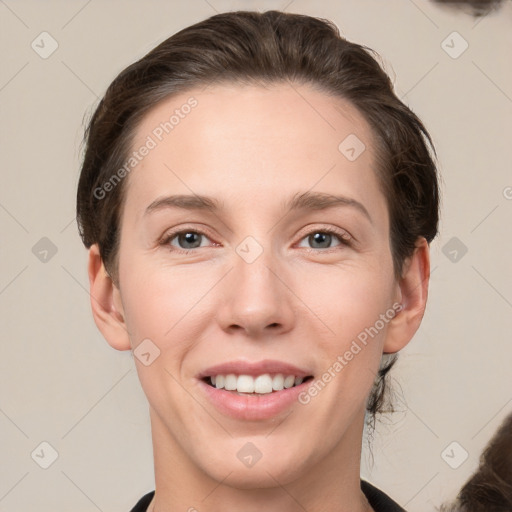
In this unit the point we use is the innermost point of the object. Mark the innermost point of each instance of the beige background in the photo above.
(62, 384)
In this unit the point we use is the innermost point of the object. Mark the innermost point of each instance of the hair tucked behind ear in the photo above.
(379, 400)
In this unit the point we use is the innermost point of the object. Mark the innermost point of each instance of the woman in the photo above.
(258, 207)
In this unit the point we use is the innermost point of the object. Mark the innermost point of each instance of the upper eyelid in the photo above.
(333, 230)
(343, 236)
(170, 234)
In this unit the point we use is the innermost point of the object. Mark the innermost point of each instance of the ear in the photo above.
(107, 308)
(412, 294)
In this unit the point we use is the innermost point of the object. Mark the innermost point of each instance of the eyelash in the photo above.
(343, 237)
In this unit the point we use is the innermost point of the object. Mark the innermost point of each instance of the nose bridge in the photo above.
(254, 272)
(256, 299)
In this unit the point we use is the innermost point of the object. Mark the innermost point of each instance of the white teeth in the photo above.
(219, 381)
(262, 384)
(230, 382)
(289, 381)
(245, 384)
(278, 382)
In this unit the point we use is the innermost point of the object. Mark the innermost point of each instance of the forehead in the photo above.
(253, 143)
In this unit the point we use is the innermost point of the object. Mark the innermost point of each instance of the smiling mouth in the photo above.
(263, 384)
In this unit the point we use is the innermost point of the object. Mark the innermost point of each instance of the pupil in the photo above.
(321, 238)
(188, 238)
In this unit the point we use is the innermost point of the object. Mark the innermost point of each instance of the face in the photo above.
(274, 266)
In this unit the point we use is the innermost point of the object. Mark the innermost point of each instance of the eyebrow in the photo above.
(305, 201)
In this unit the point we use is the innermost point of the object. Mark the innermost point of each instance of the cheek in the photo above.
(163, 303)
(356, 305)
(350, 299)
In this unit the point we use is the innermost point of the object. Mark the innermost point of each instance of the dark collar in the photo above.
(379, 501)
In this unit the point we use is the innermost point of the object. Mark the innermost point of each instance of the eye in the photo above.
(184, 241)
(323, 238)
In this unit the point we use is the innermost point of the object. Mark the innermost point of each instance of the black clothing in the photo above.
(379, 501)
(143, 503)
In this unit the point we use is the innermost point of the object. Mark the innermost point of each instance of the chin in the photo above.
(274, 467)
(265, 476)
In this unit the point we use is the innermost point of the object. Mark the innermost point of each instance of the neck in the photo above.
(332, 485)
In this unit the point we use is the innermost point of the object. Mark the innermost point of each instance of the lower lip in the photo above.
(252, 407)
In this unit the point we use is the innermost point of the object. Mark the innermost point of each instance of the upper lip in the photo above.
(253, 368)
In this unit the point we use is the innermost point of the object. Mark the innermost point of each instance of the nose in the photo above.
(256, 298)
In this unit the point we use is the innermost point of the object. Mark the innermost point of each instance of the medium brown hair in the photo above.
(490, 487)
(475, 7)
(248, 47)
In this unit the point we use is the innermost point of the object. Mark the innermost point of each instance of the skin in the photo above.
(253, 148)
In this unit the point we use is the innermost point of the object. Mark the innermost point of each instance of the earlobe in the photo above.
(413, 290)
(106, 303)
